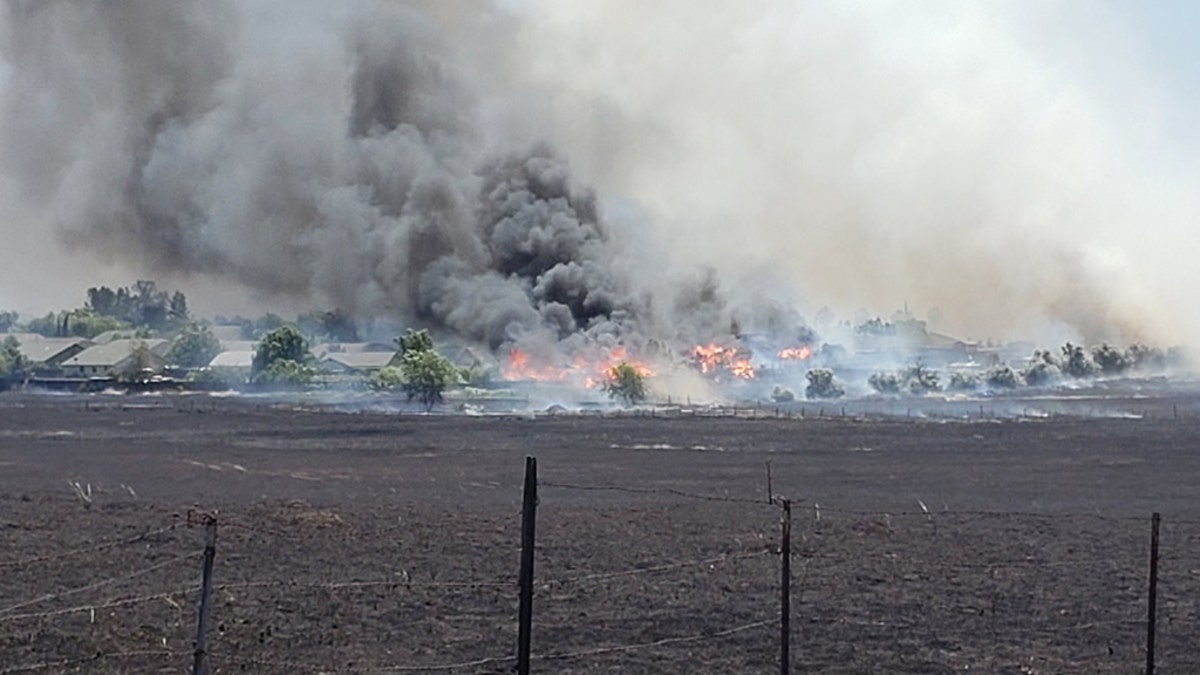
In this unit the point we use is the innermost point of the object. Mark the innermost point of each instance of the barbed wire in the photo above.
(600, 576)
(1043, 627)
(461, 665)
(89, 549)
(118, 602)
(665, 491)
(998, 564)
(98, 584)
(217, 657)
(656, 643)
(817, 508)
(336, 585)
(67, 663)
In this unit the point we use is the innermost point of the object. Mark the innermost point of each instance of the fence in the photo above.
(672, 581)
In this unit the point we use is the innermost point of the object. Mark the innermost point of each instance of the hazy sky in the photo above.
(1026, 167)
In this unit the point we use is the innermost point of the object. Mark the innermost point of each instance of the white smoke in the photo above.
(385, 158)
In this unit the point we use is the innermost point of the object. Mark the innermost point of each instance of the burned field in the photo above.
(383, 542)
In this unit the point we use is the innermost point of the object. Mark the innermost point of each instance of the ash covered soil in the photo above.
(381, 541)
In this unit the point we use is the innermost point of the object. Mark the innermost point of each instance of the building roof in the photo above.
(112, 353)
(232, 359)
(46, 350)
(324, 349)
(360, 360)
(238, 345)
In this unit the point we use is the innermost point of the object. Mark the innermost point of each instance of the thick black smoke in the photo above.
(320, 153)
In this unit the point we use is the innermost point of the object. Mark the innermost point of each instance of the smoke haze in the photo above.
(613, 172)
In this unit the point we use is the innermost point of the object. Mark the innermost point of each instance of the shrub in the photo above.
(822, 384)
(626, 383)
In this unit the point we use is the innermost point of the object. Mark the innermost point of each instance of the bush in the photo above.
(1002, 377)
(822, 385)
(626, 383)
(782, 395)
(963, 382)
(284, 344)
(387, 378)
(286, 372)
(915, 379)
(426, 374)
(1110, 360)
(885, 383)
(1076, 361)
(920, 380)
(1043, 369)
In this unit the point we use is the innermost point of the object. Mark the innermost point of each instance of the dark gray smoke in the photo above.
(323, 153)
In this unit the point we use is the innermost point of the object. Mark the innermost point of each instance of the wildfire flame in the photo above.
(800, 353)
(591, 372)
(712, 358)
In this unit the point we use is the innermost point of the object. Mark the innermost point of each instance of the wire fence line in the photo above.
(94, 548)
(100, 656)
(98, 584)
(850, 573)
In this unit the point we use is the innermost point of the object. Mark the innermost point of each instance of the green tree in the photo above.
(286, 372)
(1076, 361)
(284, 344)
(388, 377)
(414, 341)
(1002, 377)
(7, 321)
(194, 347)
(426, 375)
(1111, 360)
(821, 384)
(13, 363)
(626, 383)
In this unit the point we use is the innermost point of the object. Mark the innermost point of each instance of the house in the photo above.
(361, 363)
(118, 358)
(233, 365)
(325, 349)
(48, 353)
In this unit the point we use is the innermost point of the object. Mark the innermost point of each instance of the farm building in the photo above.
(118, 358)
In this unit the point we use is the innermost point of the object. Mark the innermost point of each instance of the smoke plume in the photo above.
(747, 162)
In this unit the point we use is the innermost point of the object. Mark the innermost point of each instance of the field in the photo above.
(377, 541)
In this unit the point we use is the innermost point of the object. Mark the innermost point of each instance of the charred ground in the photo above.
(313, 500)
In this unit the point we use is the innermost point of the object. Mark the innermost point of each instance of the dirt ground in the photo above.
(388, 542)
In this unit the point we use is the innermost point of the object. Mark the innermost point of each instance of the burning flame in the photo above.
(800, 353)
(712, 358)
(519, 367)
(591, 371)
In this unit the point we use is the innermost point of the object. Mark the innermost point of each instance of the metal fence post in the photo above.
(528, 524)
(210, 552)
(785, 590)
(1152, 604)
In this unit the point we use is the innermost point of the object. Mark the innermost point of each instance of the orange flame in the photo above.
(591, 371)
(713, 357)
(800, 353)
(519, 367)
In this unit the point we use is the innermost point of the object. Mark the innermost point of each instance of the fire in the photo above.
(591, 372)
(712, 358)
(519, 367)
(800, 353)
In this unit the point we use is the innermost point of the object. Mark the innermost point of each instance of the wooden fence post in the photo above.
(785, 590)
(1152, 604)
(528, 524)
(210, 552)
